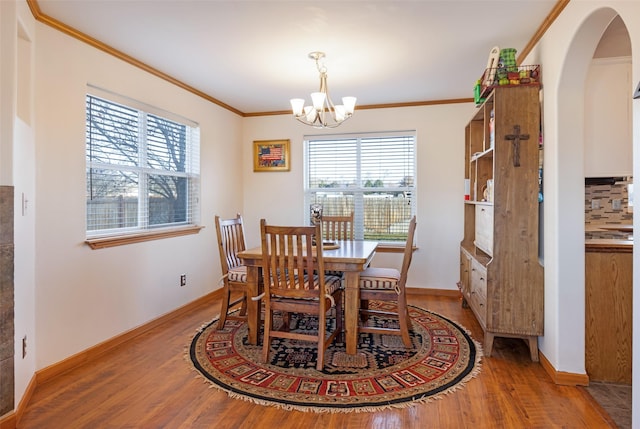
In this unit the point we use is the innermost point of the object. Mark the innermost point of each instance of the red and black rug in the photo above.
(382, 374)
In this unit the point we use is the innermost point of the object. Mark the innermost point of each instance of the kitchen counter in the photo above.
(609, 238)
(605, 227)
(608, 245)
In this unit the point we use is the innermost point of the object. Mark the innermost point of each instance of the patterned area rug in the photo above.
(383, 374)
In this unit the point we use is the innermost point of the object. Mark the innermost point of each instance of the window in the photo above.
(142, 169)
(372, 175)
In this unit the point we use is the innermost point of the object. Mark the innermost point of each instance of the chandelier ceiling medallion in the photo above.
(322, 113)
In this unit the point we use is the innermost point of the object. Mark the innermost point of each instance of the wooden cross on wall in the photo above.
(516, 137)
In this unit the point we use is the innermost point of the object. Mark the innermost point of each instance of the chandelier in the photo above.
(322, 113)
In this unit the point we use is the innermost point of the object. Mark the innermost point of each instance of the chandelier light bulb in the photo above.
(310, 113)
(349, 104)
(297, 104)
(318, 99)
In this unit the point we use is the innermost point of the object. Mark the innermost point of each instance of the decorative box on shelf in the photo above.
(506, 76)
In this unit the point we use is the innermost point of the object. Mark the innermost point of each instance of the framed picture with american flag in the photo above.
(271, 155)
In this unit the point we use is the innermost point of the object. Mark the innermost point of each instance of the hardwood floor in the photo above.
(148, 383)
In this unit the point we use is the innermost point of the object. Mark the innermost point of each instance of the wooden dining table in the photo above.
(348, 256)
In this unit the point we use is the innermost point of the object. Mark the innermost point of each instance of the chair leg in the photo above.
(340, 313)
(243, 309)
(266, 340)
(322, 340)
(224, 309)
(364, 305)
(286, 321)
(403, 318)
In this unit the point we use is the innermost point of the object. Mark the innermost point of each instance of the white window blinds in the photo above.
(142, 170)
(371, 175)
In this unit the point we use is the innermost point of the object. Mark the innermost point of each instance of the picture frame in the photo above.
(271, 155)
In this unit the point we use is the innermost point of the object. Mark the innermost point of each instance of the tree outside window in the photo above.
(142, 169)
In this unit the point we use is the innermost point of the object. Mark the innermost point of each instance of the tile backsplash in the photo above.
(601, 204)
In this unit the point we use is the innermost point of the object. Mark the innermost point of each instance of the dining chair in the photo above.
(294, 284)
(337, 227)
(230, 242)
(388, 285)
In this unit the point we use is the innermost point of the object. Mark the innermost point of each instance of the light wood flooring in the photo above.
(148, 383)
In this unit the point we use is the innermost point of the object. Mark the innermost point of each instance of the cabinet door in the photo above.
(465, 274)
(609, 290)
(478, 297)
(484, 228)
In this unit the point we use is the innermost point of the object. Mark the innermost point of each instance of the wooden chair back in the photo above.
(338, 227)
(408, 253)
(285, 273)
(231, 241)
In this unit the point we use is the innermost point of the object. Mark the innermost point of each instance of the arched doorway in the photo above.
(609, 270)
(571, 186)
(608, 171)
(569, 200)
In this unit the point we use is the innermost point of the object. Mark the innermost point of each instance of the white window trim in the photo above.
(121, 236)
(390, 245)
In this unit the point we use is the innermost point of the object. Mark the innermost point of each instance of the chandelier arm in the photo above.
(327, 101)
(317, 124)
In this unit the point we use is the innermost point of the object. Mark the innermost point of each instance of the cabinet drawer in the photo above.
(465, 273)
(479, 278)
(478, 295)
(484, 228)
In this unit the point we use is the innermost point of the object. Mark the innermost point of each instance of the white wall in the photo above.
(607, 138)
(565, 52)
(8, 48)
(21, 100)
(278, 196)
(85, 296)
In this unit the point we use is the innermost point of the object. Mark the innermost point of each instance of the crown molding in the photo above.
(60, 26)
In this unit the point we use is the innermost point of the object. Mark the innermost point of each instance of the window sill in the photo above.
(121, 240)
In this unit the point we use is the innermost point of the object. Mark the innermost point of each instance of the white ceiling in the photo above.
(253, 55)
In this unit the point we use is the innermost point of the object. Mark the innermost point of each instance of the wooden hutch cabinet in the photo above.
(501, 278)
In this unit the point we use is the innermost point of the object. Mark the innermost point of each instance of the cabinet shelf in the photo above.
(483, 154)
(474, 203)
(501, 278)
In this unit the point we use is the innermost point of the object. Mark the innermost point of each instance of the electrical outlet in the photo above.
(24, 347)
(595, 204)
(616, 204)
(183, 280)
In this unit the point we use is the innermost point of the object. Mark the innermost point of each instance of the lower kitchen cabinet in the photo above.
(609, 313)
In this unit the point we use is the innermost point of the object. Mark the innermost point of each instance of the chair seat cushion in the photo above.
(379, 278)
(331, 284)
(238, 274)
